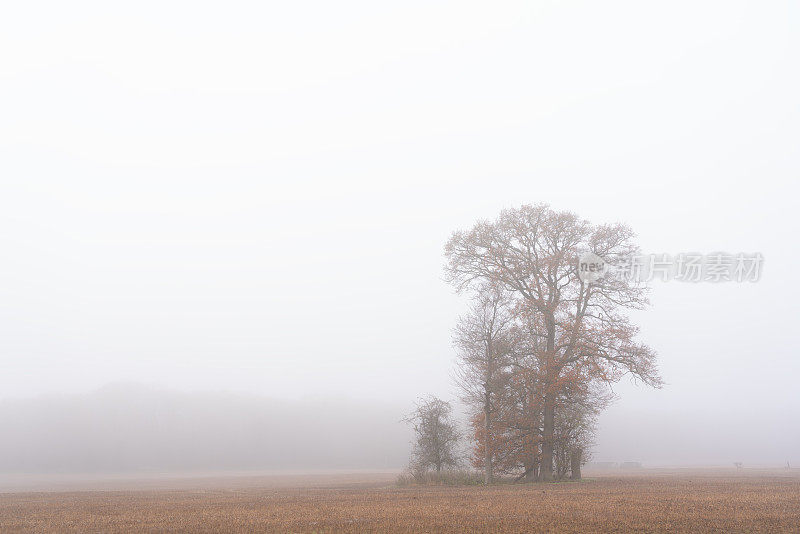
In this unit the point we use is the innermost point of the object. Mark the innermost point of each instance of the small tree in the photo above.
(483, 340)
(576, 419)
(436, 435)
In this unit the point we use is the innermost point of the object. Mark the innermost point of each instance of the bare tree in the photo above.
(533, 252)
(436, 435)
(484, 341)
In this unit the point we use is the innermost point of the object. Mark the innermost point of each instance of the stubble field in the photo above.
(649, 501)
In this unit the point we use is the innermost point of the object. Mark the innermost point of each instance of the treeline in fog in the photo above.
(131, 427)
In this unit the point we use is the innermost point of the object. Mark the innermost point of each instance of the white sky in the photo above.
(254, 197)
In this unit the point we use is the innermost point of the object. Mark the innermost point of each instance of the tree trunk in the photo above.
(529, 474)
(487, 449)
(548, 429)
(575, 460)
(548, 416)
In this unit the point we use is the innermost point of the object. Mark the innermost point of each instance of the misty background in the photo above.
(221, 227)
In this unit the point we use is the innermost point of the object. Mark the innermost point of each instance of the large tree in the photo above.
(580, 325)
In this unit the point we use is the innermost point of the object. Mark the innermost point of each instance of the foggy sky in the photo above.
(253, 198)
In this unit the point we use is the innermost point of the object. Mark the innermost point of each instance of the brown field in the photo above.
(643, 501)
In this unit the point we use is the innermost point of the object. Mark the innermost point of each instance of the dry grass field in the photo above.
(647, 501)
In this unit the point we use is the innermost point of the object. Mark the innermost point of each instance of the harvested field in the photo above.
(651, 501)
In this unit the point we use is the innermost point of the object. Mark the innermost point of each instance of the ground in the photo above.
(641, 501)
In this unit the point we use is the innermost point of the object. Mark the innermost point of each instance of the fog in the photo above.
(221, 231)
(128, 427)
